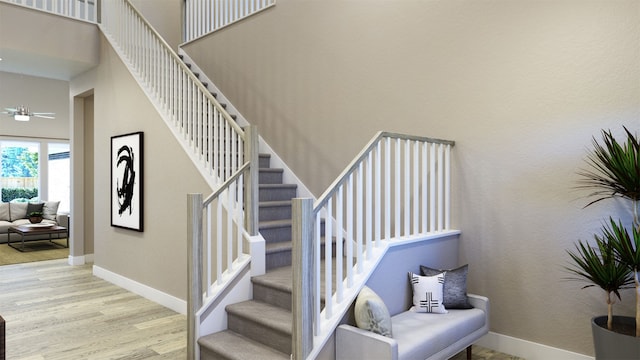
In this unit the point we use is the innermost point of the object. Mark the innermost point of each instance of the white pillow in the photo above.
(428, 293)
(50, 209)
(371, 313)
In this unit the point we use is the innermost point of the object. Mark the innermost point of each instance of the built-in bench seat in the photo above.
(418, 335)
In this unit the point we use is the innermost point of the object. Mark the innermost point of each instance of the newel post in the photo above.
(251, 179)
(194, 271)
(302, 266)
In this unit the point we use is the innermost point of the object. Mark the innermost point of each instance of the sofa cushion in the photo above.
(18, 210)
(4, 228)
(455, 286)
(50, 210)
(371, 313)
(421, 335)
(5, 215)
(428, 293)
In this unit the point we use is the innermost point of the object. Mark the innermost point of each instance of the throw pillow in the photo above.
(371, 313)
(427, 293)
(50, 210)
(17, 210)
(33, 207)
(455, 286)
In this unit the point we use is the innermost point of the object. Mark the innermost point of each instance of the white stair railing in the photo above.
(85, 10)
(217, 231)
(205, 16)
(397, 189)
(224, 153)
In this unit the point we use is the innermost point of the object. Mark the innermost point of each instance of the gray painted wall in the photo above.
(156, 257)
(521, 86)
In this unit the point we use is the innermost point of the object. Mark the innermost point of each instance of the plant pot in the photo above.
(35, 219)
(612, 344)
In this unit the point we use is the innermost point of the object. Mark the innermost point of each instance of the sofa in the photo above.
(16, 213)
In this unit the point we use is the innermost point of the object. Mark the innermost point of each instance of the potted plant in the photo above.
(614, 172)
(35, 217)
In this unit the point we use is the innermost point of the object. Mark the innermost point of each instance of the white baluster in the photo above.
(440, 187)
(432, 188)
(328, 261)
(339, 244)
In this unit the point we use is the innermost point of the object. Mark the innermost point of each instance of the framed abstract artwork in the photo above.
(126, 181)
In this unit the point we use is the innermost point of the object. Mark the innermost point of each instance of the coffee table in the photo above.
(36, 229)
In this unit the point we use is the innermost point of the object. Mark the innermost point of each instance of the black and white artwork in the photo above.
(126, 181)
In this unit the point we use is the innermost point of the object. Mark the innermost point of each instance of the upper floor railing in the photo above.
(86, 10)
(398, 188)
(206, 16)
(205, 129)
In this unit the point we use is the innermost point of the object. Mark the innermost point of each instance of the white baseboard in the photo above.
(80, 260)
(527, 349)
(164, 299)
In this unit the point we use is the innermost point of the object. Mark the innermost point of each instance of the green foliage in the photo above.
(19, 162)
(626, 246)
(615, 168)
(9, 194)
(614, 171)
(598, 267)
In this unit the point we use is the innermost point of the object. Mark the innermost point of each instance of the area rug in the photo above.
(34, 251)
(480, 353)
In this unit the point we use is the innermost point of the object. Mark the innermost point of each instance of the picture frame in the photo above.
(127, 195)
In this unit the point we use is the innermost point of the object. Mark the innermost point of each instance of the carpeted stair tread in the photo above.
(275, 203)
(264, 314)
(270, 169)
(230, 345)
(262, 225)
(278, 278)
(278, 186)
(280, 246)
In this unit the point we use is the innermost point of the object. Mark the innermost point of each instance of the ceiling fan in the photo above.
(22, 113)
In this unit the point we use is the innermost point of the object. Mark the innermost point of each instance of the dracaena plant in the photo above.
(599, 267)
(614, 172)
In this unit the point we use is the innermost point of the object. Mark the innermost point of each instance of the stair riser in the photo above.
(283, 257)
(264, 161)
(270, 177)
(260, 333)
(278, 259)
(277, 194)
(275, 297)
(209, 354)
(276, 234)
(279, 212)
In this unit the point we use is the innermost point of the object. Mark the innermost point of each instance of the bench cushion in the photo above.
(420, 335)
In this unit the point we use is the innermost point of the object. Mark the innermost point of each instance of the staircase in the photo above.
(261, 327)
(396, 190)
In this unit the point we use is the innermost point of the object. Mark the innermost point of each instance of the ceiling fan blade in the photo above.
(42, 113)
(11, 109)
(44, 116)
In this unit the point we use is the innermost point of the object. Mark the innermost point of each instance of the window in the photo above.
(59, 175)
(20, 168)
(34, 171)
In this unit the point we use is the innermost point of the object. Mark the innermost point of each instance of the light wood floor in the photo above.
(56, 311)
